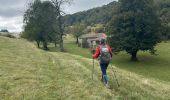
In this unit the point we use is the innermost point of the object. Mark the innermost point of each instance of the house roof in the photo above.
(94, 35)
(89, 35)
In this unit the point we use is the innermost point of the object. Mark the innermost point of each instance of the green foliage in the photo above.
(99, 15)
(134, 27)
(41, 24)
(98, 28)
(165, 31)
(58, 10)
(77, 30)
(4, 30)
(163, 7)
(164, 10)
(103, 15)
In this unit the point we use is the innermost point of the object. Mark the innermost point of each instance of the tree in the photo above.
(99, 28)
(99, 15)
(88, 29)
(4, 30)
(134, 27)
(163, 7)
(40, 22)
(77, 30)
(165, 32)
(164, 10)
(57, 4)
(31, 28)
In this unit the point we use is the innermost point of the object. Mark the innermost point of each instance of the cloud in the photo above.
(81, 5)
(11, 11)
(12, 8)
(13, 24)
(11, 14)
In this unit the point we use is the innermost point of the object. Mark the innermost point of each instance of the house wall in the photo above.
(85, 43)
(88, 43)
(80, 42)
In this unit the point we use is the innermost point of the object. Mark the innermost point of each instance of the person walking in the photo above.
(104, 54)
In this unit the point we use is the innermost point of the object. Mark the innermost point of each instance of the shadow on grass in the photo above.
(148, 65)
(52, 49)
(143, 59)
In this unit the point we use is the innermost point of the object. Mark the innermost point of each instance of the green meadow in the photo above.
(152, 66)
(29, 73)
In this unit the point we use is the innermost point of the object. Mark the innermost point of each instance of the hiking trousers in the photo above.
(104, 69)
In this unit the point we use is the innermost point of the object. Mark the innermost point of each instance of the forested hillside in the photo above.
(93, 16)
(102, 15)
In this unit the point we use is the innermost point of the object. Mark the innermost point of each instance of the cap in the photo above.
(103, 41)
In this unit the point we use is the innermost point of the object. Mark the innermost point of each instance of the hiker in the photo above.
(104, 54)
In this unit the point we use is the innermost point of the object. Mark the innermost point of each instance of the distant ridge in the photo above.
(98, 15)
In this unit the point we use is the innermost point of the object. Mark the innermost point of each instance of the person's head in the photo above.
(103, 41)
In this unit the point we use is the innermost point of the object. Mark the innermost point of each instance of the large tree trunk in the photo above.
(45, 45)
(77, 40)
(134, 56)
(55, 43)
(57, 4)
(61, 33)
(61, 44)
(38, 44)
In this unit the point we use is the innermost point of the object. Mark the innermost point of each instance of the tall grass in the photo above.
(27, 73)
(151, 66)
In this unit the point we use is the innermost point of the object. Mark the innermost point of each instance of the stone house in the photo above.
(91, 39)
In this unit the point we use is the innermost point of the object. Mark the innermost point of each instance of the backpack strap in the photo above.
(100, 46)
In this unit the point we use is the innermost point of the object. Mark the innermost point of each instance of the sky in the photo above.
(11, 11)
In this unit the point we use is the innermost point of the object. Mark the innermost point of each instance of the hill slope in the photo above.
(29, 73)
(93, 16)
(102, 15)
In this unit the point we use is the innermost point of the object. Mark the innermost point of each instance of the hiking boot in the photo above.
(107, 85)
(102, 80)
(105, 79)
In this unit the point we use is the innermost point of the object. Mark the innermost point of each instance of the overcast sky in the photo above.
(11, 11)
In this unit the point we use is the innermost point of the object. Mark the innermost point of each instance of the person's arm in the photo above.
(97, 53)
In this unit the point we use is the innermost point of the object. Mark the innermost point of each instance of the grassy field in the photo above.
(150, 66)
(28, 73)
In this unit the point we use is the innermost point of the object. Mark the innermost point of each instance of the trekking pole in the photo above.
(115, 76)
(93, 69)
(93, 51)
